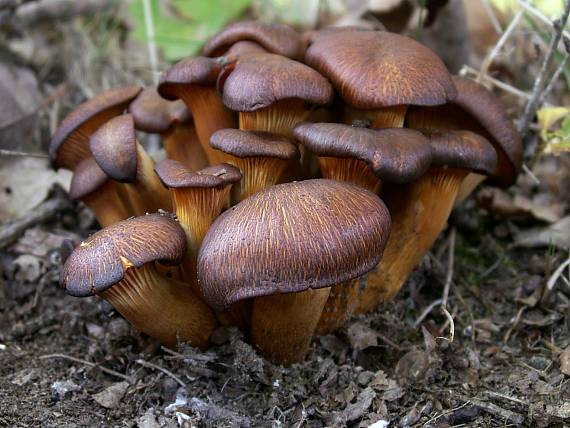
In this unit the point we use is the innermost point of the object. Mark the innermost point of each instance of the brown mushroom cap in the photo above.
(101, 261)
(373, 69)
(488, 110)
(87, 178)
(114, 147)
(152, 113)
(276, 38)
(94, 112)
(396, 155)
(174, 174)
(258, 81)
(292, 237)
(463, 150)
(244, 144)
(189, 71)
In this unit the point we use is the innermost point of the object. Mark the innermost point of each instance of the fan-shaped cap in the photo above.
(190, 71)
(276, 38)
(487, 109)
(372, 69)
(91, 112)
(396, 155)
(101, 261)
(114, 147)
(243, 48)
(152, 113)
(257, 81)
(175, 174)
(87, 178)
(463, 150)
(247, 144)
(292, 237)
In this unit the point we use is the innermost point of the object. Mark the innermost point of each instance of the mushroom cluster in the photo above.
(305, 177)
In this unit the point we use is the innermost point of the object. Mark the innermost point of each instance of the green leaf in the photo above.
(183, 26)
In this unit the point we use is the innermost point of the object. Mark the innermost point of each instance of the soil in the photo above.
(498, 365)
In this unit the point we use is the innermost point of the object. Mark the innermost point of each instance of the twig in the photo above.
(554, 78)
(515, 324)
(557, 274)
(497, 83)
(12, 153)
(528, 172)
(540, 82)
(151, 40)
(161, 369)
(427, 311)
(88, 364)
(500, 43)
(42, 213)
(492, 16)
(538, 14)
(493, 409)
(450, 262)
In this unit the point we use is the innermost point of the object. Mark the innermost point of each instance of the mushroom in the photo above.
(118, 264)
(476, 109)
(275, 38)
(172, 120)
(378, 74)
(194, 81)
(420, 209)
(197, 199)
(286, 246)
(103, 195)
(367, 158)
(70, 143)
(273, 93)
(123, 158)
(262, 157)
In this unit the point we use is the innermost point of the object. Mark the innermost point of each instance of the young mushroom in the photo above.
(476, 109)
(70, 143)
(172, 120)
(378, 74)
(123, 158)
(286, 246)
(103, 195)
(193, 80)
(197, 199)
(118, 264)
(273, 93)
(262, 158)
(275, 38)
(420, 209)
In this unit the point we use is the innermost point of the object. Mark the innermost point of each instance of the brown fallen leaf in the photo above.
(557, 235)
(361, 336)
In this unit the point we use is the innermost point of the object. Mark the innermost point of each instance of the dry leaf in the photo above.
(565, 361)
(557, 235)
(20, 192)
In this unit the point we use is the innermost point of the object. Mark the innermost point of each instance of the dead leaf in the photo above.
(540, 207)
(361, 336)
(557, 235)
(412, 367)
(565, 361)
(19, 99)
(19, 193)
(111, 397)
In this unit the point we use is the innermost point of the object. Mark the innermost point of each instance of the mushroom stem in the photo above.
(209, 114)
(181, 143)
(340, 306)
(196, 209)
(185, 318)
(282, 325)
(469, 184)
(388, 117)
(419, 211)
(258, 173)
(146, 193)
(107, 204)
(351, 170)
(279, 118)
